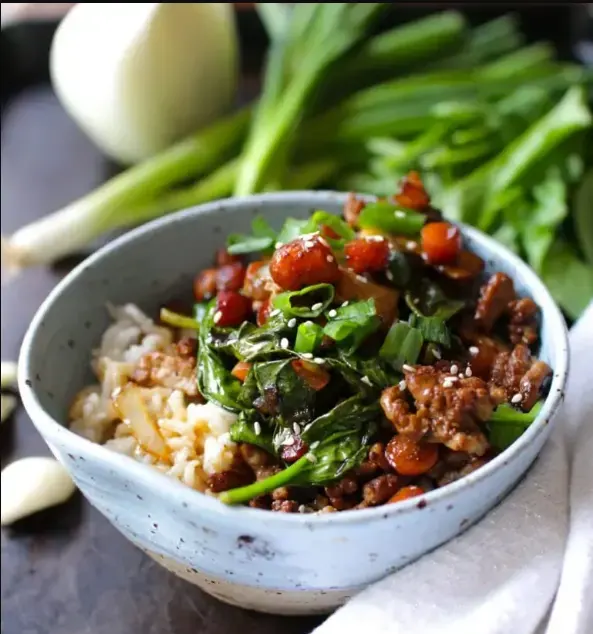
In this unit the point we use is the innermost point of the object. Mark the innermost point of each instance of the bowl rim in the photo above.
(50, 428)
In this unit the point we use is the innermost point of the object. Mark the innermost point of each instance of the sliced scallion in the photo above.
(402, 345)
(391, 219)
(178, 321)
(309, 336)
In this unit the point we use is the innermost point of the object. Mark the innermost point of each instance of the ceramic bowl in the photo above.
(270, 562)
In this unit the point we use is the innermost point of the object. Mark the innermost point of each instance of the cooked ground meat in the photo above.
(495, 296)
(517, 377)
(380, 489)
(170, 370)
(448, 409)
(523, 326)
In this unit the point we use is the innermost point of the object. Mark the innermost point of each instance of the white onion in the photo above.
(137, 77)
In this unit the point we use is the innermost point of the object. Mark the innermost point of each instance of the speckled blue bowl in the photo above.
(271, 562)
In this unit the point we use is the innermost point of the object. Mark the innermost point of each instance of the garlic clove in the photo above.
(137, 77)
(30, 485)
(8, 405)
(8, 374)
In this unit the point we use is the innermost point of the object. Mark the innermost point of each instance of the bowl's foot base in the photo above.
(288, 603)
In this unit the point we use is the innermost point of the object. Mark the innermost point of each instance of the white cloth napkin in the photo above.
(527, 567)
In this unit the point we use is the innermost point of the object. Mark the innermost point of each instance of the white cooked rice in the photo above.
(196, 435)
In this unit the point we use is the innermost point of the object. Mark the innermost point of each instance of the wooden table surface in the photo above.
(67, 570)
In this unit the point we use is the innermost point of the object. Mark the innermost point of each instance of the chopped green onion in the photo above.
(321, 218)
(282, 478)
(432, 328)
(178, 321)
(310, 301)
(507, 424)
(391, 218)
(402, 345)
(349, 325)
(309, 336)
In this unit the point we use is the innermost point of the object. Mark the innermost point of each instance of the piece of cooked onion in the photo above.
(130, 405)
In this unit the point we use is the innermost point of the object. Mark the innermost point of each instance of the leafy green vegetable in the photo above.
(243, 430)
(338, 441)
(540, 226)
(391, 219)
(507, 424)
(433, 329)
(293, 397)
(309, 336)
(292, 229)
(569, 279)
(215, 381)
(364, 375)
(310, 301)
(428, 300)
(252, 343)
(178, 321)
(350, 325)
(399, 270)
(402, 345)
(583, 216)
(263, 238)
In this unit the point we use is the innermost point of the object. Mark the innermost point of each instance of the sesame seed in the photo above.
(461, 375)
(389, 276)
(217, 317)
(307, 355)
(517, 398)
(275, 312)
(402, 385)
(399, 214)
(365, 379)
(278, 245)
(308, 244)
(474, 350)
(362, 279)
(408, 368)
(311, 457)
(330, 258)
(332, 313)
(289, 440)
(318, 360)
(323, 241)
(374, 238)
(317, 306)
(411, 245)
(302, 508)
(436, 353)
(468, 372)
(297, 428)
(284, 343)
(292, 323)
(257, 428)
(453, 379)
(315, 444)
(447, 383)
(454, 369)
(344, 304)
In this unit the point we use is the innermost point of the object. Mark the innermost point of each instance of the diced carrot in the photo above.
(241, 370)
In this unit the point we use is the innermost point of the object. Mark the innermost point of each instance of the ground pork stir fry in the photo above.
(336, 364)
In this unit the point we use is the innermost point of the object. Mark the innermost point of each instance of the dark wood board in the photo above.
(67, 570)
